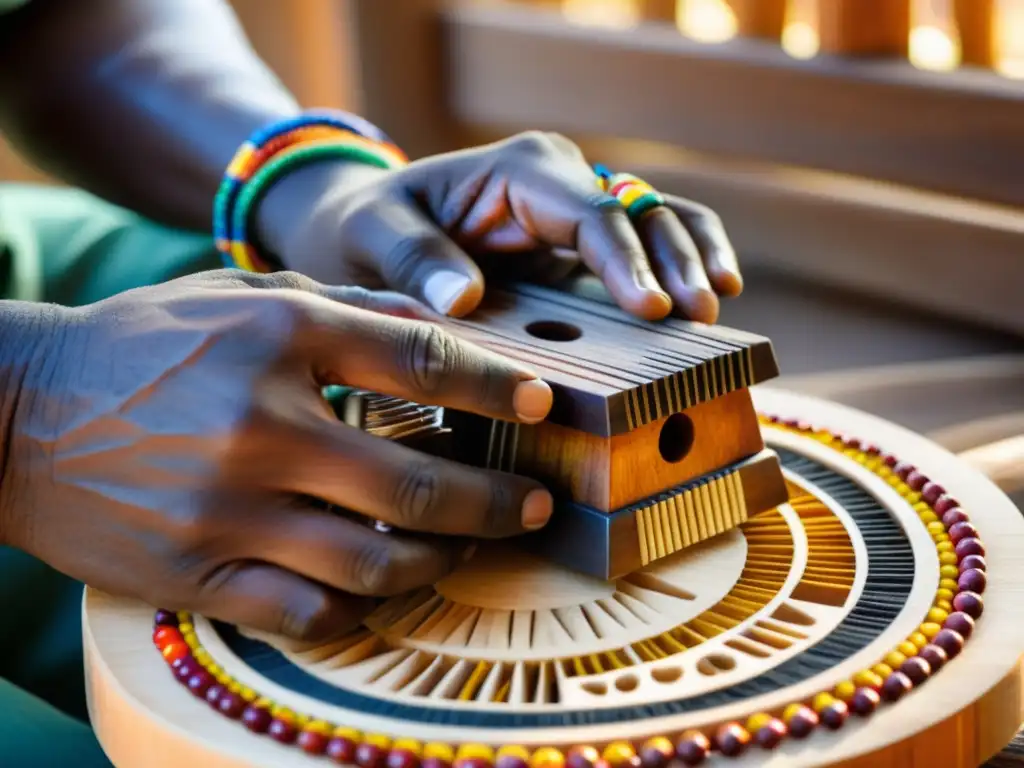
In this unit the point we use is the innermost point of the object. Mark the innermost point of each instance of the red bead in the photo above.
(870, 448)
(864, 701)
(903, 470)
(732, 739)
(312, 743)
(970, 546)
(166, 619)
(834, 715)
(343, 751)
(917, 669)
(896, 686)
(200, 683)
(693, 748)
(916, 480)
(890, 460)
(164, 636)
(256, 719)
(961, 623)
(944, 504)
(802, 723)
(969, 603)
(231, 705)
(402, 758)
(850, 442)
(962, 531)
(656, 753)
(369, 756)
(427, 762)
(175, 651)
(954, 516)
(282, 731)
(949, 641)
(934, 655)
(973, 563)
(771, 734)
(213, 694)
(184, 667)
(583, 756)
(931, 492)
(972, 580)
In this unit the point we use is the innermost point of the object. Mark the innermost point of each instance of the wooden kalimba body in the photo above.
(728, 576)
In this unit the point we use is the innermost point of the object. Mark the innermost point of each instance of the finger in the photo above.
(714, 245)
(413, 256)
(273, 600)
(678, 264)
(409, 489)
(351, 556)
(382, 302)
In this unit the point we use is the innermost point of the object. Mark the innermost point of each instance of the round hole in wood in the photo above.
(596, 687)
(666, 674)
(627, 683)
(676, 438)
(553, 330)
(714, 663)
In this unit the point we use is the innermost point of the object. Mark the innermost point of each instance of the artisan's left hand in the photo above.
(528, 207)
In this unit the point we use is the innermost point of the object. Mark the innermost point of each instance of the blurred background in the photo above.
(867, 157)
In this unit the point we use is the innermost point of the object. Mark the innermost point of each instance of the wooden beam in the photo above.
(864, 27)
(975, 21)
(760, 18)
(960, 133)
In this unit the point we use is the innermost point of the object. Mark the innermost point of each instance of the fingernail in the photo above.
(703, 306)
(537, 508)
(468, 553)
(444, 288)
(532, 400)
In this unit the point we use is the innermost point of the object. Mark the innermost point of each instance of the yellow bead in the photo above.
(947, 558)
(945, 594)
(948, 584)
(845, 690)
(318, 726)
(930, 629)
(202, 656)
(186, 626)
(619, 753)
(791, 711)
(214, 669)
(945, 605)
(948, 571)
(820, 701)
(907, 648)
(869, 678)
(283, 713)
(919, 640)
(264, 703)
(758, 721)
(882, 670)
(248, 694)
(345, 732)
(942, 538)
(928, 517)
(302, 720)
(184, 617)
(944, 546)
(223, 678)
(235, 687)
(409, 745)
(379, 740)
(516, 751)
(895, 659)
(548, 757)
(937, 616)
(936, 528)
(191, 641)
(913, 496)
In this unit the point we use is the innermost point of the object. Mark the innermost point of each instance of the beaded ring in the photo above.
(633, 193)
(941, 636)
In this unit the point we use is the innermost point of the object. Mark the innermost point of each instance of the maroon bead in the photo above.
(343, 751)
(282, 731)
(903, 470)
(200, 683)
(771, 734)
(577, 757)
(917, 669)
(962, 531)
(949, 641)
(472, 762)
(794, 423)
(186, 667)
(732, 739)
(870, 448)
(656, 753)
(973, 563)
(231, 705)
(402, 758)
(312, 743)
(934, 655)
(972, 580)
(256, 719)
(850, 442)
(802, 723)
(916, 480)
(166, 619)
(213, 694)
(890, 460)
(931, 492)
(969, 603)
(970, 546)
(773, 418)
(896, 686)
(864, 701)
(834, 715)
(512, 761)
(427, 762)
(961, 623)
(953, 517)
(944, 504)
(693, 748)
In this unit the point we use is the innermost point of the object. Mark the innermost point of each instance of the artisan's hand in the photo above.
(524, 207)
(168, 443)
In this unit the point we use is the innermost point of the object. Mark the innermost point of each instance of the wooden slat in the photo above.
(960, 133)
(658, 10)
(864, 27)
(975, 21)
(760, 18)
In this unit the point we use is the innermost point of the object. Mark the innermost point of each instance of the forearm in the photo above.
(142, 102)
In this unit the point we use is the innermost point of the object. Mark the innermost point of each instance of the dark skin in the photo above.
(178, 473)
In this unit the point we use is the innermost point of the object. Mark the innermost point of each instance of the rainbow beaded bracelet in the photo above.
(633, 193)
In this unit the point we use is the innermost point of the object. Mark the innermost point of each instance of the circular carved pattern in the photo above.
(939, 638)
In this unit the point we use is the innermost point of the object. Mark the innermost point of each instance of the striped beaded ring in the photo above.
(633, 193)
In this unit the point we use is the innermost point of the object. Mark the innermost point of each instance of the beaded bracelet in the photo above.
(633, 193)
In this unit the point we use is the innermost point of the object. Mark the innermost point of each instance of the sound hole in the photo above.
(676, 438)
(554, 330)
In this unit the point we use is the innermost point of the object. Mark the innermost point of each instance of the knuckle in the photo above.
(373, 568)
(533, 143)
(417, 496)
(404, 261)
(293, 281)
(503, 513)
(428, 355)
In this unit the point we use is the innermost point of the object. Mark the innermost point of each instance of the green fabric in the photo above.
(10, 5)
(66, 247)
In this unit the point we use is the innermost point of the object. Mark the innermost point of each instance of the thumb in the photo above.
(412, 255)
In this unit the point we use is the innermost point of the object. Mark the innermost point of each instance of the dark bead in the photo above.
(954, 517)
(693, 748)
(200, 683)
(961, 623)
(256, 719)
(402, 758)
(972, 581)
(732, 739)
(312, 743)
(282, 731)
(231, 705)
(962, 531)
(944, 504)
(896, 686)
(834, 715)
(864, 701)
(427, 762)
(771, 734)
(343, 751)
(916, 480)
(931, 492)
(949, 641)
(870, 448)
(794, 423)
(903, 470)
(802, 723)
(370, 756)
(185, 668)
(935, 656)
(971, 546)
(577, 757)
(890, 460)
(772, 418)
(656, 752)
(973, 563)
(969, 603)
(850, 442)
(514, 761)
(166, 619)
(917, 669)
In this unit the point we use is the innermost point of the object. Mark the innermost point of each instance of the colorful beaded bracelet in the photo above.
(634, 194)
(940, 637)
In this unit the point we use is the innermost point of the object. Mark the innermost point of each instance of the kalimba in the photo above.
(732, 575)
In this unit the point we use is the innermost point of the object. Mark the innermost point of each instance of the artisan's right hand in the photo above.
(166, 445)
